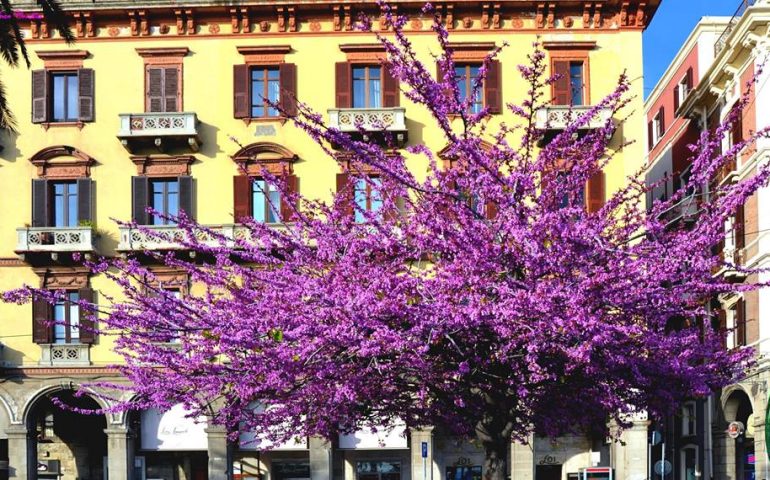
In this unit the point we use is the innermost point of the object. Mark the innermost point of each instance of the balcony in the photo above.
(71, 354)
(160, 130)
(557, 117)
(170, 237)
(371, 123)
(54, 239)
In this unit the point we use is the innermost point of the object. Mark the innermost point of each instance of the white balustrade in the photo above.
(158, 124)
(171, 237)
(65, 354)
(558, 117)
(368, 119)
(55, 239)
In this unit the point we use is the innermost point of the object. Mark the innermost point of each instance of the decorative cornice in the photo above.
(60, 371)
(265, 49)
(153, 166)
(62, 54)
(162, 52)
(362, 47)
(71, 163)
(62, 277)
(570, 45)
(274, 158)
(12, 262)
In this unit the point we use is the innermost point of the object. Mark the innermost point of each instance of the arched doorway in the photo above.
(738, 408)
(65, 444)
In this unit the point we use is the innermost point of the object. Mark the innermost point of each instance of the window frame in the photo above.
(68, 76)
(682, 459)
(276, 209)
(368, 192)
(66, 322)
(583, 95)
(266, 79)
(66, 203)
(377, 461)
(367, 79)
(657, 133)
(469, 80)
(689, 422)
(165, 195)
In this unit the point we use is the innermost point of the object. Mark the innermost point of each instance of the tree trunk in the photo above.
(495, 460)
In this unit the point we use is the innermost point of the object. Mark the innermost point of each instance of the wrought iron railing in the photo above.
(722, 40)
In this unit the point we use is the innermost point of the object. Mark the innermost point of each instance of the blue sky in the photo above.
(670, 27)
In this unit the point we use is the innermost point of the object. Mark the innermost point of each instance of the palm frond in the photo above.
(55, 16)
(8, 45)
(14, 24)
(7, 119)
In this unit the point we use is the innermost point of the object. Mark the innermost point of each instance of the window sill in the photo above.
(47, 125)
(281, 120)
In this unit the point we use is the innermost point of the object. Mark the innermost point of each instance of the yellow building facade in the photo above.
(160, 104)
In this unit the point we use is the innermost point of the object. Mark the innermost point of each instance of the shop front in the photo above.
(375, 455)
(259, 459)
(171, 446)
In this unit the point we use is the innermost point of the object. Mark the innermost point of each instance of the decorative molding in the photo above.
(270, 54)
(551, 19)
(570, 45)
(364, 52)
(540, 16)
(12, 262)
(168, 277)
(345, 161)
(154, 166)
(60, 371)
(162, 52)
(274, 158)
(472, 51)
(62, 59)
(72, 163)
(66, 278)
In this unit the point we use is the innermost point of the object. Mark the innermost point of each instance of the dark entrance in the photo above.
(548, 472)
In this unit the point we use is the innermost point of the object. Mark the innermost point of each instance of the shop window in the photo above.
(689, 419)
(367, 196)
(380, 470)
(367, 86)
(689, 462)
(290, 471)
(471, 472)
(265, 89)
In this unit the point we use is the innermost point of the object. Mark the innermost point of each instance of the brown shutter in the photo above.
(650, 138)
(86, 95)
(345, 193)
(40, 203)
(596, 192)
(737, 129)
(493, 88)
(241, 197)
(561, 88)
(140, 196)
(676, 98)
(86, 318)
(171, 90)
(41, 318)
(342, 85)
(186, 195)
(662, 113)
(391, 94)
(490, 210)
(740, 323)
(287, 73)
(740, 229)
(241, 103)
(39, 96)
(85, 206)
(154, 90)
(287, 209)
(689, 80)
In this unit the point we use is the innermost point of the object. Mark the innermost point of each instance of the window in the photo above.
(464, 473)
(265, 202)
(163, 89)
(165, 200)
(465, 77)
(172, 335)
(367, 196)
(378, 470)
(576, 82)
(64, 97)
(65, 204)
(682, 89)
(66, 315)
(290, 471)
(689, 462)
(656, 128)
(689, 417)
(367, 87)
(265, 88)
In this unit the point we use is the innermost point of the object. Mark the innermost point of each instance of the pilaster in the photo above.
(120, 454)
(422, 466)
(320, 459)
(219, 468)
(523, 460)
(21, 455)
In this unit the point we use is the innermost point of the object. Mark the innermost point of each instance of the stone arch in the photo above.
(276, 158)
(734, 400)
(32, 401)
(60, 161)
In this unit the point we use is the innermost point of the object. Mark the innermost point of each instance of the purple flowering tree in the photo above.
(476, 297)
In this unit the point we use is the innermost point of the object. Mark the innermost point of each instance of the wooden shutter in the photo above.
(85, 198)
(676, 98)
(662, 117)
(689, 79)
(172, 101)
(345, 193)
(40, 203)
(740, 323)
(154, 89)
(241, 197)
(722, 325)
(342, 85)
(86, 318)
(596, 191)
(186, 195)
(391, 94)
(493, 88)
(490, 210)
(41, 318)
(737, 129)
(561, 86)
(140, 196)
(650, 136)
(740, 229)
(86, 95)
(241, 102)
(39, 96)
(287, 73)
(287, 208)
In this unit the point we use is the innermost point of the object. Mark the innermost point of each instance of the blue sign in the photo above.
(424, 449)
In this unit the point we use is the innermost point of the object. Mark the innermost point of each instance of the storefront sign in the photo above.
(367, 440)
(250, 441)
(172, 430)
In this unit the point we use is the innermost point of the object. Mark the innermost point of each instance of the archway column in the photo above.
(219, 465)
(120, 454)
(21, 455)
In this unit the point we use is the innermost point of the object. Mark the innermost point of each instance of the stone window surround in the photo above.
(78, 165)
